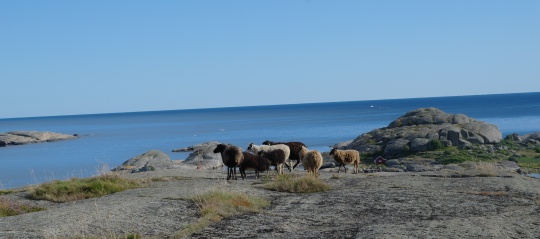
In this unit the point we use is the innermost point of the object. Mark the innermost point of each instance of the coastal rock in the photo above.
(203, 156)
(28, 137)
(533, 138)
(342, 145)
(425, 129)
(154, 158)
(201, 146)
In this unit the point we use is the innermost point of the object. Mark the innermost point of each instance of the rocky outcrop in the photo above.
(148, 161)
(198, 147)
(28, 137)
(202, 156)
(533, 138)
(426, 129)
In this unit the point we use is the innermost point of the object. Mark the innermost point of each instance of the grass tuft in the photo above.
(77, 189)
(295, 184)
(218, 204)
(12, 208)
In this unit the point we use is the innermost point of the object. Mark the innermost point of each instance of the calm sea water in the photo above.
(111, 139)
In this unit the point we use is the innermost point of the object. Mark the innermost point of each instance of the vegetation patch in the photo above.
(295, 184)
(4, 192)
(76, 188)
(218, 204)
(13, 208)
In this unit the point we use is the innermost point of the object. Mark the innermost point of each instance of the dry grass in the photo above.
(77, 189)
(294, 184)
(12, 208)
(218, 204)
(486, 169)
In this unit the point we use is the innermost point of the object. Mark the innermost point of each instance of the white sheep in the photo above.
(343, 157)
(268, 148)
(311, 159)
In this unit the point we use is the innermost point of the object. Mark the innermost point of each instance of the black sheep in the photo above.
(295, 149)
(231, 156)
(255, 162)
(276, 158)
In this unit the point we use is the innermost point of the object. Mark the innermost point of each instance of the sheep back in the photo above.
(230, 155)
(312, 160)
(346, 157)
(268, 148)
(294, 147)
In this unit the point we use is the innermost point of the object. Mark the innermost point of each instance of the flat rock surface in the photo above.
(28, 137)
(375, 205)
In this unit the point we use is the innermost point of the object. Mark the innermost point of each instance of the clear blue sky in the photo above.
(84, 57)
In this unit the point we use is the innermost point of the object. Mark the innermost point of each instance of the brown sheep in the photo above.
(312, 160)
(343, 157)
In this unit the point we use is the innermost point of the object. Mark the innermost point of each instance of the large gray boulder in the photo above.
(153, 158)
(423, 129)
(203, 157)
(28, 137)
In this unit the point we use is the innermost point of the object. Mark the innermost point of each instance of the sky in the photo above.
(86, 57)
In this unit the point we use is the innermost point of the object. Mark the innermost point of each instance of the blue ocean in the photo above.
(111, 139)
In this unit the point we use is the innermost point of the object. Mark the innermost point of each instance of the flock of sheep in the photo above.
(261, 157)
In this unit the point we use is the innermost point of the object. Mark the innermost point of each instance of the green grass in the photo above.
(12, 208)
(218, 204)
(76, 188)
(528, 162)
(4, 192)
(295, 184)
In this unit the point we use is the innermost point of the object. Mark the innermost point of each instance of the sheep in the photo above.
(276, 157)
(295, 148)
(267, 148)
(253, 161)
(343, 157)
(312, 160)
(231, 156)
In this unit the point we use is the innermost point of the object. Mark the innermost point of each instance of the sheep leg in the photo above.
(235, 178)
(228, 173)
(243, 173)
(296, 164)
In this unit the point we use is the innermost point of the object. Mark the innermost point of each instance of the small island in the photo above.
(30, 137)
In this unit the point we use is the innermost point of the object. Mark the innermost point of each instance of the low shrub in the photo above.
(294, 184)
(12, 208)
(76, 188)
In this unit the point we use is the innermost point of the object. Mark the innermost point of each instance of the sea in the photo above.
(107, 140)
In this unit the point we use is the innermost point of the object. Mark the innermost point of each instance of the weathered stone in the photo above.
(419, 144)
(392, 162)
(28, 137)
(201, 146)
(328, 165)
(396, 147)
(203, 156)
(342, 145)
(419, 127)
(416, 168)
(154, 158)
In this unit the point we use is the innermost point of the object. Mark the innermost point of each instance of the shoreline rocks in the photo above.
(426, 129)
(30, 137)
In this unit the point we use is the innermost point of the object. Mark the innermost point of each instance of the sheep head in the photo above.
(220, 148)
